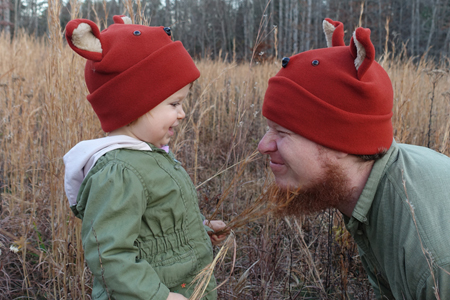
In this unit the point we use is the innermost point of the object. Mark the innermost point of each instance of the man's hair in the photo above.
(373, 157)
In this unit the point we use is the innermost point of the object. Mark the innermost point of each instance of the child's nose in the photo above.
(181, 113)
(267, 144)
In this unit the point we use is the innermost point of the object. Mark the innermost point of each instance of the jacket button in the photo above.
(359, 232)
(176, 167)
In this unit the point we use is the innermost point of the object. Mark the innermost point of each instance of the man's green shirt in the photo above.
(401, 224)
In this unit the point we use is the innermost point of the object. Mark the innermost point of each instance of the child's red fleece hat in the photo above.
(130, 68)
(338, 97)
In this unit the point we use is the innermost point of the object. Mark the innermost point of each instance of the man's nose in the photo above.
(267, 144)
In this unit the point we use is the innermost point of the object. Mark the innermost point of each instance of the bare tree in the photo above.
(280, 26)
(168, 17)
(380, 25)
(16, 15)
(35, 17)
(290, 28)
(308, 26)
(295, 25)
(413, 26)
(436, 4)
(5, 13)
(210, 27)
(318, 17)
(286, 27)
(446, 44)
(221, 10)
(271, 22)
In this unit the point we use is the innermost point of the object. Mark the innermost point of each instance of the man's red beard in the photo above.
(330, 191)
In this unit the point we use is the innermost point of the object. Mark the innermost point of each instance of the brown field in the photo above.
(43, 113)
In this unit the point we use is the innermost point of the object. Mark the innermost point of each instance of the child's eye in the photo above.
(175, 104)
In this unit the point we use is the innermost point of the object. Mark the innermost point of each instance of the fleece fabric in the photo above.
(401, 224)
(142, 230)
(338, 97)
(137, 68)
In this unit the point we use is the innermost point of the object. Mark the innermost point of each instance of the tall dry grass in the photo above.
(43, 113)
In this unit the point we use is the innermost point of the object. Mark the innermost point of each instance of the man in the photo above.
(330, 136)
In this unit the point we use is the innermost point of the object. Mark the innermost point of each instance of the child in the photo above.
(143, 234)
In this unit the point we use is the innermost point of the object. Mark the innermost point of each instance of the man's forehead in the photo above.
(293, 134)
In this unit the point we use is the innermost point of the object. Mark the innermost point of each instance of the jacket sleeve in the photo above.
(440, 282)
(207, 228)
(112, 220)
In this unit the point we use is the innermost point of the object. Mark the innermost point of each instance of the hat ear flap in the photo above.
(83, 36)
(121, 19)
(334, 33)
(362, 50)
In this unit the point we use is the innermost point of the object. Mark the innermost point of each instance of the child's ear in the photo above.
(83, 36)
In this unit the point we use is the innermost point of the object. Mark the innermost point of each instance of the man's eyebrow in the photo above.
(281, 128)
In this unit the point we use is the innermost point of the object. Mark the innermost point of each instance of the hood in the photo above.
(81, 158)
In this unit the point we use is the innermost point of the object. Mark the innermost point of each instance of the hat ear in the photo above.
(362, 50)
(334, 32)
(121, 19)
(83, 36)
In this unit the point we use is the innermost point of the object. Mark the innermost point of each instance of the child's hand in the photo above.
(216, 225)
(176, 296)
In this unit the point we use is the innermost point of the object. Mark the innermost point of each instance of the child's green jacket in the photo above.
(142, 230)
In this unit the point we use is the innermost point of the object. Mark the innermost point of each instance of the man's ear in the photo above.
(83, 36)
(331, 153)
(340, 155)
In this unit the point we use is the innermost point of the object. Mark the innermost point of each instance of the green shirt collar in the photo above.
(364, 202)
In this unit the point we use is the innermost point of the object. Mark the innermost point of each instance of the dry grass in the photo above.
(43, 113)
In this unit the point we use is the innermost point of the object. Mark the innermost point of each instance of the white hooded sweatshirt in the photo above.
(81, 158)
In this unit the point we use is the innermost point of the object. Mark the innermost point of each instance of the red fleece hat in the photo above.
(338, 97)
(130, 68)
